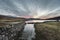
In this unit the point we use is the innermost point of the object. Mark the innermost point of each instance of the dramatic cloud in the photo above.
(35, 8)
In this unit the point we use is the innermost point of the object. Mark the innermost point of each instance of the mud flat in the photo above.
(47, 31)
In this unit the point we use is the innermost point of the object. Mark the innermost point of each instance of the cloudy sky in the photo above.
(35, 8)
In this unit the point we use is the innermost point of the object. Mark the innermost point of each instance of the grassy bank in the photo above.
(3, 21)
(48, 31)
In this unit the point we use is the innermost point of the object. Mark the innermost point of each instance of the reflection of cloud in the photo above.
(30, 7)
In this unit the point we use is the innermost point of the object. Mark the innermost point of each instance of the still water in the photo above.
(28, 32)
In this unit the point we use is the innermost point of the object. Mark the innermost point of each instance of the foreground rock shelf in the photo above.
(11, 32)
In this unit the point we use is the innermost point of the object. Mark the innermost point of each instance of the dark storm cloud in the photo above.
(30, 7)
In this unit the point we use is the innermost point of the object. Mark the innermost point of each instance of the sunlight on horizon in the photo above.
(34, 8)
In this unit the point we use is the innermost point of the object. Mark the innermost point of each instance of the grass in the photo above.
(48, 31)
(11, 20)
(2, 22)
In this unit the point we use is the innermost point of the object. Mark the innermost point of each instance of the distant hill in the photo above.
(54, 18)
(33, 19)
(3, 17)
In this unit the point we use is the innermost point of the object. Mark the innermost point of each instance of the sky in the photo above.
(31, 8)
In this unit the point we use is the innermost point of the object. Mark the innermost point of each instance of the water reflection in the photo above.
(38, 21)
(29, 32)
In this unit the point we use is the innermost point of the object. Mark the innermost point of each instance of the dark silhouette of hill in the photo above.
(33, 19)
(3, 17)
(54, 18)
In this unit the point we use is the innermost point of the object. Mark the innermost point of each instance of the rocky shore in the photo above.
(11, 32)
